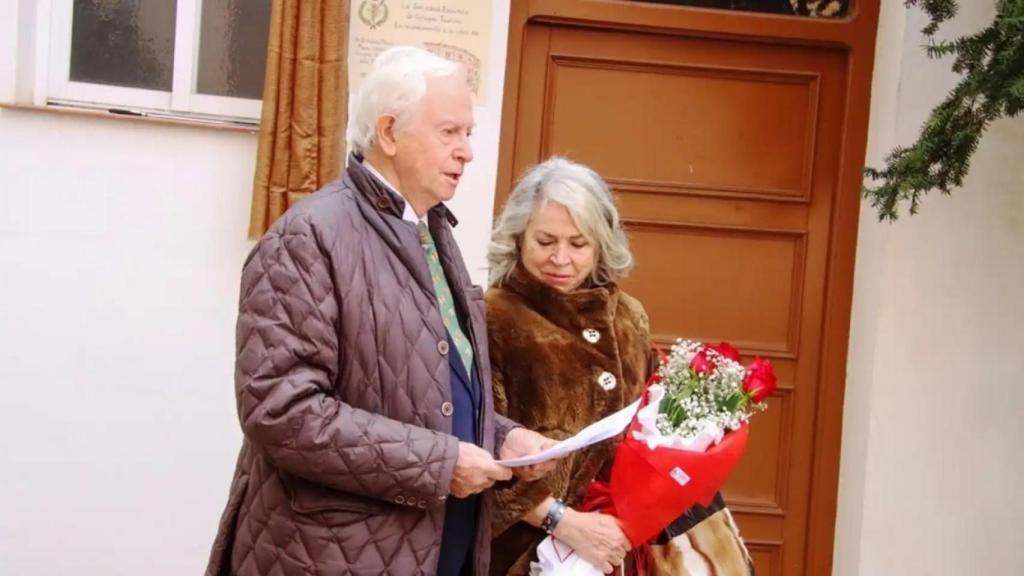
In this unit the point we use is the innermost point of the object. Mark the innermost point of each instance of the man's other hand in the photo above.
(475, 471)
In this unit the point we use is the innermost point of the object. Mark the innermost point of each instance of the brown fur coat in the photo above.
(547, 375)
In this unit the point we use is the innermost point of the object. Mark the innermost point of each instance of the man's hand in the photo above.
(475, 471)
(522, 442)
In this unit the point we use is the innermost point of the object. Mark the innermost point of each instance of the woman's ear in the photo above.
(385, 130)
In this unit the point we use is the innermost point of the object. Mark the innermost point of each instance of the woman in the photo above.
(568, 347)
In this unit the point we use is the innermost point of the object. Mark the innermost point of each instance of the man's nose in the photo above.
(465, 150)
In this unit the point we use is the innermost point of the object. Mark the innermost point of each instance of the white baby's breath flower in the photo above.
(694, 401)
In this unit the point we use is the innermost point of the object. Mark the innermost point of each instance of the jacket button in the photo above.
(591, 335)
(383, 202)
(606, 380)
(442, 347)
(447, 409)
(399, 499)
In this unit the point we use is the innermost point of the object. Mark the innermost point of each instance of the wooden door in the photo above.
(734, 143)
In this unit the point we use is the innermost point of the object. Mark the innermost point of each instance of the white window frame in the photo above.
(55, 16)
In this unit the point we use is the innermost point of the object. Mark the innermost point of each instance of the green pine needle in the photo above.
(991, 65)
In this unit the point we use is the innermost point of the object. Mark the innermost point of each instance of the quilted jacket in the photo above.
(342, 387)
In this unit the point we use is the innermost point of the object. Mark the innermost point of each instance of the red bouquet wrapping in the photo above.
(650, 488)
(686, 438)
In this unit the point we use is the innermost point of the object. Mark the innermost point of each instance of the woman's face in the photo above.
(554, 250)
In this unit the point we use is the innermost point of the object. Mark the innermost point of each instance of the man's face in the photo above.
(431, 153)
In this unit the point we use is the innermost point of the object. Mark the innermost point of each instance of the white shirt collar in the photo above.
(409, 215)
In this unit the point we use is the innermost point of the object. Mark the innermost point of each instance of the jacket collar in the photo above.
(383, 198)
(576, 310)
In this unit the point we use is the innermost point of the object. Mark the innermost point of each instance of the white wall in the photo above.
(120, 250)
(8, 48)
(934, 413)
(120, 246)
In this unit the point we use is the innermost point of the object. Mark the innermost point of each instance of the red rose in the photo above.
(760, 379)
(701, 364)
(726, 349)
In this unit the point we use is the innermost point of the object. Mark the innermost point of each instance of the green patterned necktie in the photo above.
(444, 298)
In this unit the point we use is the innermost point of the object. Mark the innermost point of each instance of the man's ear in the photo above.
(385, 129)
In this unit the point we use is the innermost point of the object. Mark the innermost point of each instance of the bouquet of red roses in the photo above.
(681, 446)
(687, 436)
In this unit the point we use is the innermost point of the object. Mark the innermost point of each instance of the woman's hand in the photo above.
(596, 537)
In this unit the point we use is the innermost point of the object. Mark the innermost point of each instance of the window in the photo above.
(176, 57)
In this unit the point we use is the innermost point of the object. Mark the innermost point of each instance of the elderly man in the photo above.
(362, 375)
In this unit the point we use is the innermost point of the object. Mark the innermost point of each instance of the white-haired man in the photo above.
(362, 375)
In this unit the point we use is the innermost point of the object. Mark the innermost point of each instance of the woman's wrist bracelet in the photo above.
(554, 516)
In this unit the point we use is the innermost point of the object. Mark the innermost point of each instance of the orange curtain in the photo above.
(305, 111)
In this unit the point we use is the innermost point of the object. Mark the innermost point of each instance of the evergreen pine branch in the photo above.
(991, 65)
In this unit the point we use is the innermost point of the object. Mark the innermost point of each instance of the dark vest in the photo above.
(460, 516)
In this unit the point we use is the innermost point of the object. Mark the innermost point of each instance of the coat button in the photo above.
(399, 499)
(447, 409)
(383, 202)
(591, 335)
(442, 347)
(606, 380)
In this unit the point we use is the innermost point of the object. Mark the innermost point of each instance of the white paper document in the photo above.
(603, 429)
(556, 558)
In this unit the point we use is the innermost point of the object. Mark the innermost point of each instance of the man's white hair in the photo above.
(395, 84)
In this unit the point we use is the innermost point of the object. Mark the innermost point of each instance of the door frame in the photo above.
(856, 34)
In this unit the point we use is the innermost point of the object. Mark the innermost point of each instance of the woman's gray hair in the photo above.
(590, 203)
(395, 84)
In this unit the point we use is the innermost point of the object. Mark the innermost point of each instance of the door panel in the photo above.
(657, 106)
